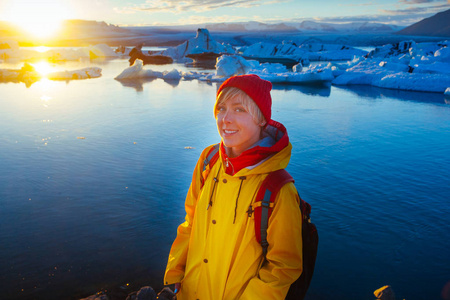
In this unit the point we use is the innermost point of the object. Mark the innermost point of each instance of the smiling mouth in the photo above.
(229, 131)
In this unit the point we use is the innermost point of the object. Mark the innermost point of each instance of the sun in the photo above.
(39, 18)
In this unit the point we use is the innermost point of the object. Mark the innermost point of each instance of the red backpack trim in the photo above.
(264, 203)
(208, 162)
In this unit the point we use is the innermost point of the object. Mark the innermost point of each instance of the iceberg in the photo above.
(229, 65)
(11, 50)
(28, 75)
(331, 52)
(137, 71)
(202, 43)
(447, 92)
(101, 51)
(410, 66)
(287, 53)
(86, 73)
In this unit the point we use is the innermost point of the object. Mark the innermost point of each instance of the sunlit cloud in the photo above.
(359, 4)
(417, 10)
(407, 11)
(418, 1)
(206, 19)
(196, 5)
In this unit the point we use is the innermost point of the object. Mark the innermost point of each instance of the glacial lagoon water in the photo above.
(93, 175)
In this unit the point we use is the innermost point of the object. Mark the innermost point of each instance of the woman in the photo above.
(215, 254)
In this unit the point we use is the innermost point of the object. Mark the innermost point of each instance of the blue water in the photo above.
(93, 175)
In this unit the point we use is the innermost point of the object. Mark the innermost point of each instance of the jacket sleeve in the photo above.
(178, 253)
(284, 255)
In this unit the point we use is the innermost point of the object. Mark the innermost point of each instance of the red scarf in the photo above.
(255, 154)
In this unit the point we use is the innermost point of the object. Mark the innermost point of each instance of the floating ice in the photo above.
(202, 43)
(406, 66)
(137, 71)
(86, 73)
(28, 74)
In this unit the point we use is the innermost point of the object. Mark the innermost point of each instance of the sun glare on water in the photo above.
(40, 19)
(43, 68)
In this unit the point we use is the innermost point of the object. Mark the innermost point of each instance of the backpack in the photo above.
(267, 194)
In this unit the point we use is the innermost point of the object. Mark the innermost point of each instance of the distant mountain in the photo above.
(303, 27)
(357, 27)
(249, 26)
(437, 25)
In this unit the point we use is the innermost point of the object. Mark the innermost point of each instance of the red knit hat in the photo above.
(256, 88)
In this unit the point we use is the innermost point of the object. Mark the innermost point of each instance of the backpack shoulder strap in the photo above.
(264, 203)
(209, 161)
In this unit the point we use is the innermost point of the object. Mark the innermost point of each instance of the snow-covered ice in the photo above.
(11, 50)
(406, 66)
(28, 74)
(202, 43)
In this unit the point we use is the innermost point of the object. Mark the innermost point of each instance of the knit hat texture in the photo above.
(256, 88)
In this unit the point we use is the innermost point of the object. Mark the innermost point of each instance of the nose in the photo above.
(226, 117)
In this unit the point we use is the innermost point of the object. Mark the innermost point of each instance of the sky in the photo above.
(35, 13)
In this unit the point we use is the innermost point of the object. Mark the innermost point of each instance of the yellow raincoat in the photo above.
(216, 255)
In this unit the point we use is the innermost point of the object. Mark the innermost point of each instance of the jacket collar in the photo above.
(256, 155)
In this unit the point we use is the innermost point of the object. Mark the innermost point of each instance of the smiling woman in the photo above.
(40, 19)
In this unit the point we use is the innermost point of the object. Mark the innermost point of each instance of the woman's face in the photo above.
(236, 126)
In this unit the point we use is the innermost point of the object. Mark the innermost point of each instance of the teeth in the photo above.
(230, 131)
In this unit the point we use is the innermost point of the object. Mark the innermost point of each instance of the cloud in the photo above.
(417, 1)
(400, 17)
(407, 11)
(196, 5)
(417, 10)
(209, 20)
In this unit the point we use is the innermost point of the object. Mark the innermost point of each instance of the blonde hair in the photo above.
(248, 103)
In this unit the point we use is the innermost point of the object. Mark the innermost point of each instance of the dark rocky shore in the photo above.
(148, 293)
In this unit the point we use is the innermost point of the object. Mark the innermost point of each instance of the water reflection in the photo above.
(137, 84)
(367, 91)
(172, 82)
(313, 90)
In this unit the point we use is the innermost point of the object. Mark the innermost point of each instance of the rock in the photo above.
(385, 293)
(98, 296)
(166, 294)
(145, 293)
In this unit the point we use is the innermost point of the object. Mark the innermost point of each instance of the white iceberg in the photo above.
(229, 65)
(101, 51)
(86, 73)
(202, 43)
(407, 66)
(28, 74)
(331, 52)
(10, 49)
(137, 71)
(287, 53)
